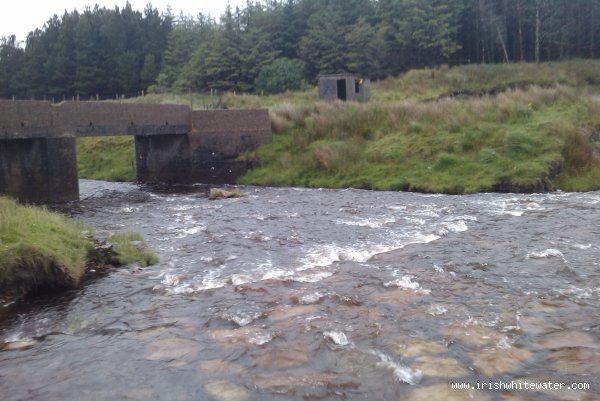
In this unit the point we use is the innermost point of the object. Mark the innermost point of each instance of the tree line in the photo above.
(277, 45)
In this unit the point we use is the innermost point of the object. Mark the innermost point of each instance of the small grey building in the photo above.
(344, 87)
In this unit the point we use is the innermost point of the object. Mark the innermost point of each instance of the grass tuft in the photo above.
(130, 247)
(39, 248)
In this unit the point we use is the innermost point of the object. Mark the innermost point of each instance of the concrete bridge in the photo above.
(173, 144)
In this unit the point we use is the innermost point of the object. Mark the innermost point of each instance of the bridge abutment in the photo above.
(173, 144)
(163, 158)
(39, 170)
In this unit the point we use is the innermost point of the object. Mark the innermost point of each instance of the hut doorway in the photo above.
(341, 89)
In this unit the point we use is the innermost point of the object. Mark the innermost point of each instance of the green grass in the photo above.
(39, 248)
(106, 158)
(520, 127)
(450, 146)
(131, 248)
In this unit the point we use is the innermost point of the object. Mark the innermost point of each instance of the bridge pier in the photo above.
(173, 144)
(39, 170)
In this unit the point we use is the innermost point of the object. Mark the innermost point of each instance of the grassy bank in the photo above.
(532, 139)
(39, 248)
(106, 158)
(521, 128)
(517, 127)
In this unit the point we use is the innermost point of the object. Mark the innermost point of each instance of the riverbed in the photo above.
(309, 294)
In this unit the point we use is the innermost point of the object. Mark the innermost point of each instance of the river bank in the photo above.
(41, 250)
(475, 128)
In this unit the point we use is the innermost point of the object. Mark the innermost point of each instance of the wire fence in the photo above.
(78, 97)
(196, 100)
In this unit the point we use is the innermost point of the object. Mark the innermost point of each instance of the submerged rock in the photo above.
(440, 367)
(218, 367)
(282, 356)
(472, 335)
(170, 349)
(490, 362)
(576, 361)
(17, 345)
(415, 347)
(292, 312)
(227, 391)
(241, 336)
(281, 381)
(567, 339)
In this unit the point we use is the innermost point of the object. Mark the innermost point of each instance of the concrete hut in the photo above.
(344, 87)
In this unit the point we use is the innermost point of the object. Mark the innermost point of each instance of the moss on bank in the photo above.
(42, 249)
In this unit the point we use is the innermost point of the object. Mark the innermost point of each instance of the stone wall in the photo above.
(224, 134)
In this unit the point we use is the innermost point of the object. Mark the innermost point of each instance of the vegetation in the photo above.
(523, 132)
(106, 158)
(276, 45)
(518, 127)
(99, 51)
(39, 248)
(131, 248)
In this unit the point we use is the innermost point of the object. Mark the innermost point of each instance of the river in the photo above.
(308, 294)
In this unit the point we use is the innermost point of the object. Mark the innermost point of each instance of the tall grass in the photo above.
(513, 140)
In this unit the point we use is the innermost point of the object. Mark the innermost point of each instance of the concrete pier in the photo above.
(173, 144)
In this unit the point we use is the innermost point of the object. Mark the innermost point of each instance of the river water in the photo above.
(306, 294)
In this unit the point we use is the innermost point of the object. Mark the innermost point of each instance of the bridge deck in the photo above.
(31, 119)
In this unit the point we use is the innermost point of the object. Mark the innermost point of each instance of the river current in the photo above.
(307, 294)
